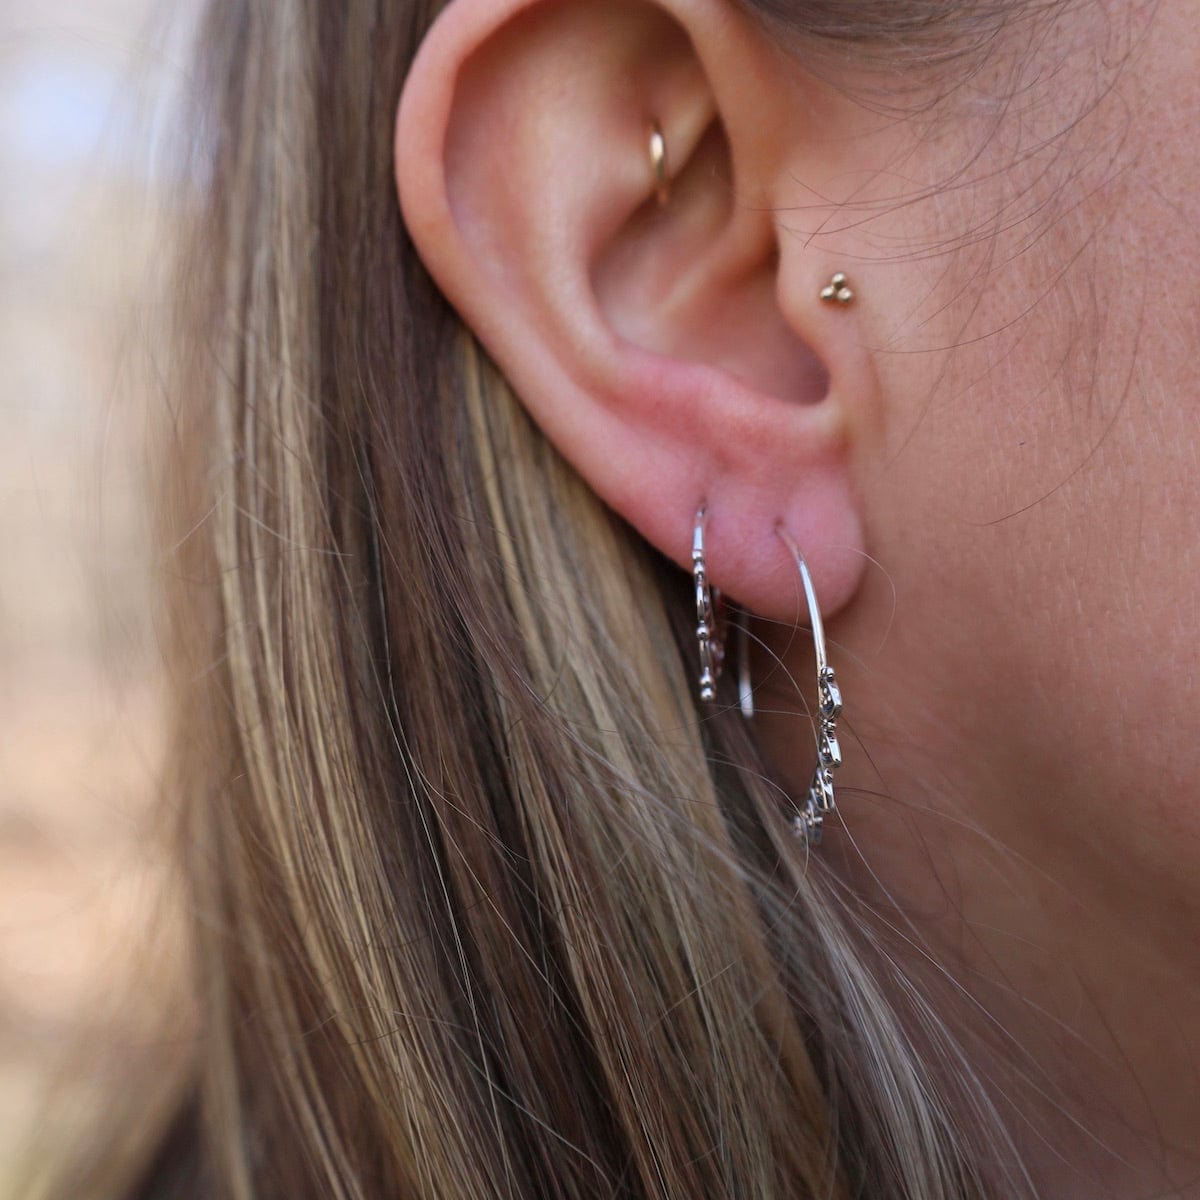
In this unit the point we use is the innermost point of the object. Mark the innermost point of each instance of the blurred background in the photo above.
(81, 82)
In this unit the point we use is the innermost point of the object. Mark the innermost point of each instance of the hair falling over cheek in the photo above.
(486, 904)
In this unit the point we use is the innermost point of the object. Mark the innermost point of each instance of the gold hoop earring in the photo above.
(658, 164)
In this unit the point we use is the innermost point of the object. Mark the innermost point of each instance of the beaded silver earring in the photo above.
(820, 800)
(712, 625)
(710, 616)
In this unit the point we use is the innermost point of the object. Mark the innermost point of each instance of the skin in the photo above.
(990, 459)
(1021, 667)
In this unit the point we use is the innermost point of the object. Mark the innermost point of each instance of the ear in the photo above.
(678, 355)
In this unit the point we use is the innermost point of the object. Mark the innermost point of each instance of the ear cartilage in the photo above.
(837, 290)
(658, 164)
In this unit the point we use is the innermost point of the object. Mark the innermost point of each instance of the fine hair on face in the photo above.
(482, 902)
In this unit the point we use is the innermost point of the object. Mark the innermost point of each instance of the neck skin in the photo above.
(1068, 968)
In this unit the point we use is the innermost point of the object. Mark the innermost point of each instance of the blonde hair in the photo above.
(483, 904)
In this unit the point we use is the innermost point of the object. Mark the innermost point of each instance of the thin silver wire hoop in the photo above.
(820, 800)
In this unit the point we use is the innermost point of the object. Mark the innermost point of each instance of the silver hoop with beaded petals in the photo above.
(820, 800)
(710, 618)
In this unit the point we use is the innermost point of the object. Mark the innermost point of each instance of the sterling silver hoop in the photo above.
(820, 800)
(710, 616)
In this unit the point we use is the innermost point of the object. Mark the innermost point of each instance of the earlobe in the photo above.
(647, 339)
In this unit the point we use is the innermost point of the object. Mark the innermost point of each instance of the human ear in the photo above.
(677, 354)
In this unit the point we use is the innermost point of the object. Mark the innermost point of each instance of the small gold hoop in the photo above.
(658, 162)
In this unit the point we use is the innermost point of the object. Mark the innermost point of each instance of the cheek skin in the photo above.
(1030, 477)
(1078, 461)
(1020, 666)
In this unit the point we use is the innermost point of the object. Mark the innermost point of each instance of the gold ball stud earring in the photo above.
(837, 290)
(658, 163)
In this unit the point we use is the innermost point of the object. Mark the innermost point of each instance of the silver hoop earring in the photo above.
(710, 616)
(745, 690)
(820, 801)
(712, 624)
